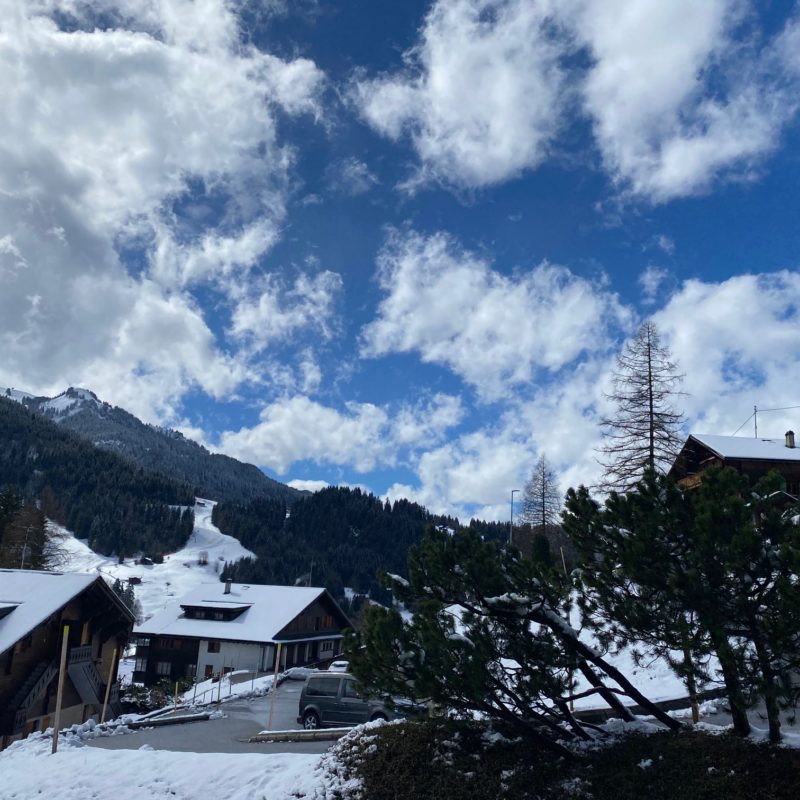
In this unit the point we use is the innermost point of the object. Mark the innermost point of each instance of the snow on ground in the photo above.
(208, 691)
(77, 772)
(179, 574)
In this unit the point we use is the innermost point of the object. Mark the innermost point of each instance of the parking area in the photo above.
(229, 734)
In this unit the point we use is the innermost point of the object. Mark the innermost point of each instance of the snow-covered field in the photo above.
(77, 772)
(179, 574)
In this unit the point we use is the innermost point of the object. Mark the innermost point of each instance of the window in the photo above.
(323, 687)
(191, 669)
(164, 668)
(142, 641)
(326, 647)
(140, 665)
(350, 690)
(213, 647)
(219, 615)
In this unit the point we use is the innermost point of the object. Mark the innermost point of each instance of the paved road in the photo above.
(243, 719)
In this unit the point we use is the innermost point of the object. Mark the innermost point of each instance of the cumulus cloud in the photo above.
(680, 94)
(481, 93)
(677, 100)
(449, 306)
(271, 311)
(711, 328)
(115, 114)
(362, 435)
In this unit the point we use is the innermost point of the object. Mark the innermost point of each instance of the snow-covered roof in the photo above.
(269, 609)
(748, 448)
(34, 596)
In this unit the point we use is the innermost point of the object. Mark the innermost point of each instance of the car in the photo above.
(331, 699)
(339, 666)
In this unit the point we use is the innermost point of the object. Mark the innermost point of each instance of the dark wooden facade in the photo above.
(695, 457)
(99, 625)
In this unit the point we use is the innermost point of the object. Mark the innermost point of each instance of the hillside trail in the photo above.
(201, 560)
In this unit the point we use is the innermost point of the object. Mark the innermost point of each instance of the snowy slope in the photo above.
(180, 572)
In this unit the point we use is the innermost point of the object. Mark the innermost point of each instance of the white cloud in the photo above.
(350, 176)
(491, 330)
(305, 485)
(363, 435)
(738, 342)
(271, 311)
(105, 131)
(481, 94)
(677, 100)
(681, 94)
(651, 279)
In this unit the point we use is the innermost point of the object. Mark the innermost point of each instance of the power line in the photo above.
(743, 424)
(761, 411)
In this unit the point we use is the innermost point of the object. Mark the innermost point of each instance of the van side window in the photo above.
(322, 687)
(350, 689)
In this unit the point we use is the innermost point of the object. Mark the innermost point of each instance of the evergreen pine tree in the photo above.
(487, 636)
(706, 571)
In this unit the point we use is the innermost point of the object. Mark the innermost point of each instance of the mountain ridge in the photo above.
(156, 449)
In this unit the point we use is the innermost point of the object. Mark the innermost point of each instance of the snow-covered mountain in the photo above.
(152, 448)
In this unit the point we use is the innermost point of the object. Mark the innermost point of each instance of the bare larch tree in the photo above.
(644, 431)
(541, 500)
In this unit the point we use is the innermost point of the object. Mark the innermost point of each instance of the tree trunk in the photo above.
(691, 684)
(730, 674)
(769, 689)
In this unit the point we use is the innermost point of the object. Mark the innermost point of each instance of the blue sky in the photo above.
(398, 245)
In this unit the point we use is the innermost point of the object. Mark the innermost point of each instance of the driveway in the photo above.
(229, 734)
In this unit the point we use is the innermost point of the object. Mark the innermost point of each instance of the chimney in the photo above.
(228, 581)
(790, 439)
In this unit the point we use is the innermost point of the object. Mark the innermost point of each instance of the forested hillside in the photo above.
(97, 495)
(156, 449)
(335, 538)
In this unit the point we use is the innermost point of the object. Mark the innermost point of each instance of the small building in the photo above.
(749, 456)
(34, 607)
(221, 627)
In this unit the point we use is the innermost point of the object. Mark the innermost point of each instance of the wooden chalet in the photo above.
(221, 627)
(749, 456)
(34, 607)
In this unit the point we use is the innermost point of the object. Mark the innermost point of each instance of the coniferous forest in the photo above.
(119, 508)
(335, 538)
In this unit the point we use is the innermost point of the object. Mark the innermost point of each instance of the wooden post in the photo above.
(108, 685)
(194, 693)
(274, 685)
(175, 703)
(219, 684)
(60, 692)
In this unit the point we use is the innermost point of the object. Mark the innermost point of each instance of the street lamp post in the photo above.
(511, 520)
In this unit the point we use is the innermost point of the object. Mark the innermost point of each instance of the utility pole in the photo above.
(511, 519)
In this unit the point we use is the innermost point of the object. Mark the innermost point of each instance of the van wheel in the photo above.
(378, 716)
(310, 720)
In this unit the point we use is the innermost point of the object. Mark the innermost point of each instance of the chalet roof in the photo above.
(268, 609)
(33, 597)
(747, 448)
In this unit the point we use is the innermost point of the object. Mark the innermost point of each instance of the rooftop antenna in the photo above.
(755, 420)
